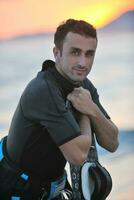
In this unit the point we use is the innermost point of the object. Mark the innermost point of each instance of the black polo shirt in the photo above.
(43, 121)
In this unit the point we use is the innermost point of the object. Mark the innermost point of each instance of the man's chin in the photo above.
(76, 79)
(79, 78)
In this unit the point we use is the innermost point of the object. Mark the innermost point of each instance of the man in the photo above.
(54, 119)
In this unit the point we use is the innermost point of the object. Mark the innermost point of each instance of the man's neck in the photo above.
(77, 83)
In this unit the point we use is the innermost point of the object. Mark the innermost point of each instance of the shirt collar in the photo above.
(65, 85)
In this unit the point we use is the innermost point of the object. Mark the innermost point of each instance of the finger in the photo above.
(78, 89)
(75, 93)
(69, 97)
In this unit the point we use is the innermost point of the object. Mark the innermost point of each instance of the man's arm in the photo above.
(76, 150)
(105, 130)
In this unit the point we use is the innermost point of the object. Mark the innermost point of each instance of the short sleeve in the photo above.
(42, 103)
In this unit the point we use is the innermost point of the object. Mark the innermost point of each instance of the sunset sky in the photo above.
(18, 17)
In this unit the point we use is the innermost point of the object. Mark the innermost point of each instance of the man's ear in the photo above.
(56, 52)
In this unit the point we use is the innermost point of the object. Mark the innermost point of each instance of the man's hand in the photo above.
(82, 101)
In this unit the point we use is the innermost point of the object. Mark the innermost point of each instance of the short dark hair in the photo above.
(75, 26)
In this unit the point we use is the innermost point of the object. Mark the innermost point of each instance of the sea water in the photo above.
(112, 73)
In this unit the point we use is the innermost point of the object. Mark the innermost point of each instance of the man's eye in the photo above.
(76, 53)
(90, 54)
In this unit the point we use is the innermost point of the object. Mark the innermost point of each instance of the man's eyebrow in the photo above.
(90, 51)
(76, 49)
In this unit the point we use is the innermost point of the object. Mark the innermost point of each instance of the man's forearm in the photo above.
(85, 127)
(105, 130)
(76, 150)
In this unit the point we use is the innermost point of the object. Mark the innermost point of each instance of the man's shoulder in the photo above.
(40, 86)
(36, 84)
(36, 88)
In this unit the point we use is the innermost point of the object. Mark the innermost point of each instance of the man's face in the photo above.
(76, 59)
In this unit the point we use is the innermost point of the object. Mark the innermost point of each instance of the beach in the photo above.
(120, 165)
(122, 173)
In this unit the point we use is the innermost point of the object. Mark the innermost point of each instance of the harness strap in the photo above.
(15, 198)
(15, 183)
(1, 149)
(4, 156)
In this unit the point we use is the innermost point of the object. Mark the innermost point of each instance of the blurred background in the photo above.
(26, 40)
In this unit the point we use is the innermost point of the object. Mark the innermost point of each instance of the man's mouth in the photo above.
(80, 70)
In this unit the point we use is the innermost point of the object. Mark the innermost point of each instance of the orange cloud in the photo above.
(102, 12)
(31, 16)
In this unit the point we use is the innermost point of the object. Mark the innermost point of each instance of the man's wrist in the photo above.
(93, 112)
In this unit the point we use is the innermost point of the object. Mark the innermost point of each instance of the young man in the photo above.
(54, 119)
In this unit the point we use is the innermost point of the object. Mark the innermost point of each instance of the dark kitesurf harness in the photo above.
(10, 175)
(14, 183)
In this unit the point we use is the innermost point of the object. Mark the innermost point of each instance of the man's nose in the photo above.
(82, 60)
